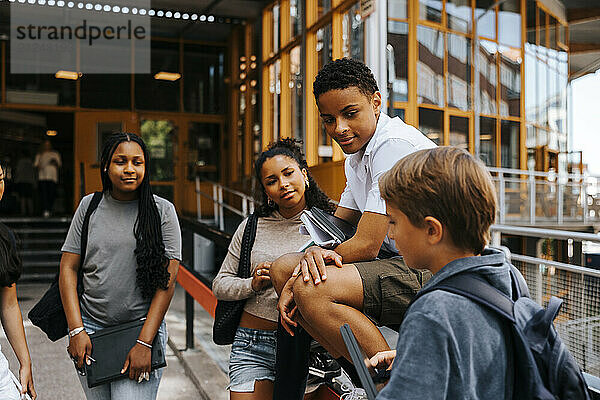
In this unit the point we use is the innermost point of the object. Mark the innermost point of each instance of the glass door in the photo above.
(91, 130)
(160, 136)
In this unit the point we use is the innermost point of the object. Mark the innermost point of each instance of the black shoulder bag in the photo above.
(48, 313)
(228, 313)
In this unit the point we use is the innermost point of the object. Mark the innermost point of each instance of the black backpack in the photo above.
(544, 367)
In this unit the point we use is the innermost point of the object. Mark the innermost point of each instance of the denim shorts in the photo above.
(252, 358)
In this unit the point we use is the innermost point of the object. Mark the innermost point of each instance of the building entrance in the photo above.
(181, 146)
(23, 134)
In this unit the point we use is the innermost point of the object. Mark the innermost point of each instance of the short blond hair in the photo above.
(446, 183)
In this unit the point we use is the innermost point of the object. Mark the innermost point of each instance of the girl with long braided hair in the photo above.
(131, 261)
(286, 189)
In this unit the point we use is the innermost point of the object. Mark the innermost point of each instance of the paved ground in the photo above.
(54, 376)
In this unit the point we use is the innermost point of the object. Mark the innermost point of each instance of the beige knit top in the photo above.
(275, 236)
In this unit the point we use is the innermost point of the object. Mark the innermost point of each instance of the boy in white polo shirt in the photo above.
(364, 288)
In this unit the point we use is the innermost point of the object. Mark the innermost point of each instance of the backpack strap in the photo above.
(519, 286)
(247, 244)
(86, 223)
(84, 237)
(478, 290)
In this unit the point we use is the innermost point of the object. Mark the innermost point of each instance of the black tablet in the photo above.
(110, 347)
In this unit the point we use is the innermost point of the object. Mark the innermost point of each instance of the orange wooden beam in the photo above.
(198, 290)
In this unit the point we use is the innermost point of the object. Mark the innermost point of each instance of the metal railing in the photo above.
(531, 197)
(246, 202)
(578, 322)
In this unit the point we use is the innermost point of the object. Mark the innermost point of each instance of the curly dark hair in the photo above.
(342, 74)
(290, 148)
(152, 262)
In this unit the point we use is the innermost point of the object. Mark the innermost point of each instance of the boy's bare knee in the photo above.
(282, 268)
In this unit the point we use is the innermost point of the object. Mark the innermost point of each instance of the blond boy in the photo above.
(440, 204)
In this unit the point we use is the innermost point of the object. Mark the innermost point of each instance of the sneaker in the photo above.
(355, 394)
(322, 365)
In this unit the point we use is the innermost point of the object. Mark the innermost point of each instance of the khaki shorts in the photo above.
(388, 287)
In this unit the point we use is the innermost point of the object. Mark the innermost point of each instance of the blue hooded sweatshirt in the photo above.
(449, 347)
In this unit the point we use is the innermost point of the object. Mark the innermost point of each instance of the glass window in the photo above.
(276, 26)
(203, 84)
(106, 91)
(296, 17)
(430, 66)
(552, 28)
(159, 136)
(459, 132)
(397, 54)
(487, 140)
(458, 13)
(397, 9)
(275, 90)
(159, 94)
(509, 23)
(323, 7)
(485, 18)
(542, 90)
(562, 34)
(42, 89)
(459, 72)
(202, 151)
(430, 10)
(431, 123)
(353, 34)
(323, 45)
(397, 112)
(296, 92)
(510, 144)
(510, 81)
(487, 76)
(530, 83)
(542, 28)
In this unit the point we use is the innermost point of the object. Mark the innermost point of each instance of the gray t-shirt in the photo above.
(111, 295)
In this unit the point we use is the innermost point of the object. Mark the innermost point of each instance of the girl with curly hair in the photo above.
(287, 188)
(131, 262)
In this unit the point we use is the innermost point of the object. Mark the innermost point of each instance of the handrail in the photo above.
(540, 174)
(566, 267)
(546, 233)
(229, 190)
(221, 239)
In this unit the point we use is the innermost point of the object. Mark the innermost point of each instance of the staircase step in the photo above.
(33, 253)
(22, 231)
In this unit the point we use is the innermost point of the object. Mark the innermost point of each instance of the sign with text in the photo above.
(367, 7)
(73, 37)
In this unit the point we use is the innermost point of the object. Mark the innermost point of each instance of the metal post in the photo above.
(189, 321)
(584, 200)
(531, 199)
(476, 111)
(198, 199)
(251, 206)
(559, 200)
(502, 196)
(244, 207)
(221, 210)
(215, 204)
(496, 238)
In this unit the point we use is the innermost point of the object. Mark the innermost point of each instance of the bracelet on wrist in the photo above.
(76, 331)
(144, 343)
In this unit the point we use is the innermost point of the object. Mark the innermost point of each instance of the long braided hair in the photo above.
(10, 260)
(290, 148)
(149, 251)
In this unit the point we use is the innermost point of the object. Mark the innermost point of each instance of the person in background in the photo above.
(10, 314)
(287, 189)
(24, 178)
(48, 163)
